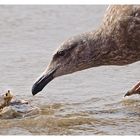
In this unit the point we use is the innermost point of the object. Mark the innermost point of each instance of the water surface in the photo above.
(89, 102)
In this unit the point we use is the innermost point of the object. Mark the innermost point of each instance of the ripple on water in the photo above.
(61, 118)
(11, 112)
(15, 131)
(51, 124)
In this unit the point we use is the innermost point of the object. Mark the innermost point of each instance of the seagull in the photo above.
(115, 42)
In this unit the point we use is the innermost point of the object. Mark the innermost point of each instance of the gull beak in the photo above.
(42, 82)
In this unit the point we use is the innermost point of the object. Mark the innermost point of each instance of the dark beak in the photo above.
(42, 82)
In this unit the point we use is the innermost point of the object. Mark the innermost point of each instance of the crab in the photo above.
(12, 108)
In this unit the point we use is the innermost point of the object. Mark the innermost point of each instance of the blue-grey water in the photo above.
(89, 102)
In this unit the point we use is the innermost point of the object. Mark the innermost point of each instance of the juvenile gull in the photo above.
(115, 42)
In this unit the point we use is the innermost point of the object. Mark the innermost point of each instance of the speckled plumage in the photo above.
(115, 42)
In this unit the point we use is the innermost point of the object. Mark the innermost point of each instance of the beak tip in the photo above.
(34, 93)
(34, 90)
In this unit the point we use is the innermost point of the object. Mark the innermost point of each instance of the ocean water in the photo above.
(88, 102)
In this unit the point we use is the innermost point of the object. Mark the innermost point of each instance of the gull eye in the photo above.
(6, 94)
(61, 53)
